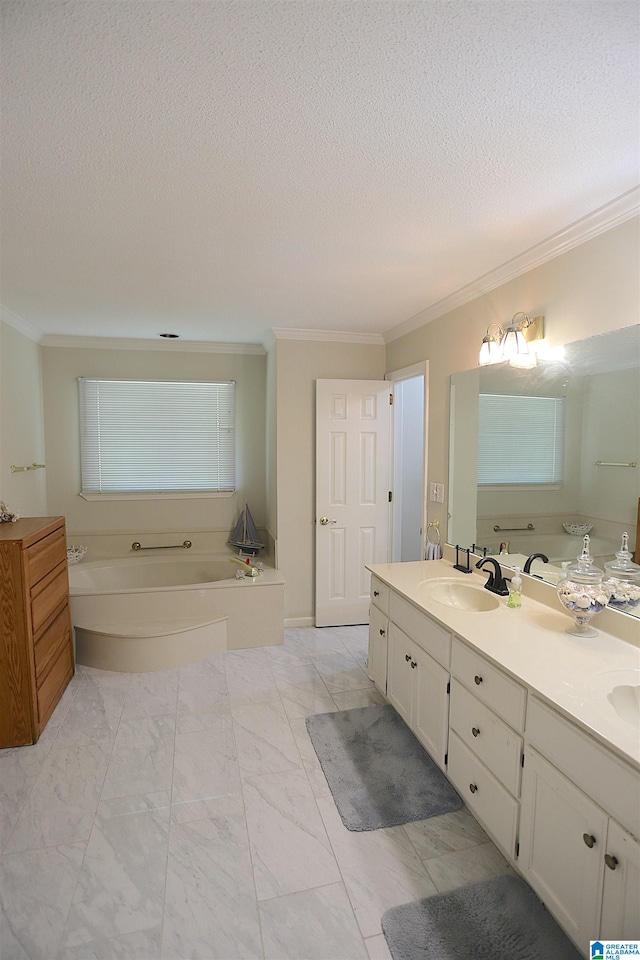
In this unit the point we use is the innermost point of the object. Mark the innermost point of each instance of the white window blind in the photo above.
(151, 436)
(530, 450)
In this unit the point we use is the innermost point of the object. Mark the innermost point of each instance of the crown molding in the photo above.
(13, 320)
(172, 346)
(610, 215)
(328, 336)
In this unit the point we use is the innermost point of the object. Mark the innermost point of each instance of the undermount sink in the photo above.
(625, 700)
(461, 596)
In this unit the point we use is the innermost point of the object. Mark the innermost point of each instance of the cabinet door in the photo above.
(562, 843)
(430, 713)
(621, 897)
(378, 627)
(400, 672)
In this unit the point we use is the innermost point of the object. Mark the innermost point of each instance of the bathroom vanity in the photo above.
(518, 715)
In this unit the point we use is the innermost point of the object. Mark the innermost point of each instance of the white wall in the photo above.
(21, 423)
(63, 365)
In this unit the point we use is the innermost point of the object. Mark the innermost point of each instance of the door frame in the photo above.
(395, 376)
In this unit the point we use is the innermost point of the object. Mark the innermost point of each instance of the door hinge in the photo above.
(390, 496)
(522, 760)
(449, 687)
(446, 759)
(517, 849)
(390, 399)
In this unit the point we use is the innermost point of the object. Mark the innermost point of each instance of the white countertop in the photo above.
(574, 674)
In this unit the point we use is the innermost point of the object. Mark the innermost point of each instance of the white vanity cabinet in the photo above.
(378, 634)
(418, 675)
(486, 722)
(577, 848)
(621, 893)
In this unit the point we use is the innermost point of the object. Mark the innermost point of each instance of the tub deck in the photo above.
(155, 628)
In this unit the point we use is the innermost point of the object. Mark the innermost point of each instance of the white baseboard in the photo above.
(298, 622)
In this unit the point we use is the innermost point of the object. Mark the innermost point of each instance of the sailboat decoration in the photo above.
(245, 535)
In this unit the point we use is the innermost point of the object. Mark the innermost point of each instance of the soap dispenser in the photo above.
(515, 589)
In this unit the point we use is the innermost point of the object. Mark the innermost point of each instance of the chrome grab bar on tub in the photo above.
(136, 545)
(34, 466)
(499, 529)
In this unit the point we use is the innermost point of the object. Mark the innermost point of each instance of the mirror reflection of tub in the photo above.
(152, 613)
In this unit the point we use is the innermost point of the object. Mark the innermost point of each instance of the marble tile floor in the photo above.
(183, 815)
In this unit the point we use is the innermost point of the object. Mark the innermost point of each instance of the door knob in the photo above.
(325, 520)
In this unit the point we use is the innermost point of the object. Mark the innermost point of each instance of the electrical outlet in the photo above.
(433, 492)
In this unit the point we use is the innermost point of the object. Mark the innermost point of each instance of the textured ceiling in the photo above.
(217, 169)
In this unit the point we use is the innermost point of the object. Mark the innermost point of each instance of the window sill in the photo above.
(161, 495)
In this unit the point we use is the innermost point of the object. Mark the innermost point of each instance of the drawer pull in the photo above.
(407, 657)
(413, 664)
(478, 680)
(376, 593)
(473, 787)
(382, 632)
(475, 731)
(589, 839)
(611, 862)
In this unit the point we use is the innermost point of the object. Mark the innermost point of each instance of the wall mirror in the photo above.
(599, 383)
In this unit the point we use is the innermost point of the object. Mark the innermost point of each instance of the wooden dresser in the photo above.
(36, 648)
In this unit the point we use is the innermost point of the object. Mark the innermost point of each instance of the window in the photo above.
(531, 451)
(142, 436)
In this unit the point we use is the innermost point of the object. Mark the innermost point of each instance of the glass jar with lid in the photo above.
(623, 578)
(583, 593)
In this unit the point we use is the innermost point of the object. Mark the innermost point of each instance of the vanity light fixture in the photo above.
(513, 342)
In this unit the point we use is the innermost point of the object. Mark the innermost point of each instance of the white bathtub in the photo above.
(151, 613)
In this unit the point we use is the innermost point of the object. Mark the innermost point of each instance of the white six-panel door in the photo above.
(352, 495)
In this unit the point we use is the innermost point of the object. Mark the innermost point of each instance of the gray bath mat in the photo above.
(497, 919)
(378, 773)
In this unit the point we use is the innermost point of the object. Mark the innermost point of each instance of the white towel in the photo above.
(433, 551)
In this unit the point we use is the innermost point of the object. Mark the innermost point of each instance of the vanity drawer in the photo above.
(494, 807)
(50, 643)
(487, 736)
(48, 595)
(505, 697)
(608, 780)
(380, 594)
(434, 639)
(44, 555)
(50, 688)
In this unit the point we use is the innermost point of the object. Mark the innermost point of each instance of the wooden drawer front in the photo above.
(505, 697)
(495, 808)
(607, 779)
(44, 555)
(54, 682)
(47, 596)
(49, 644)
(489, 738)
(434, 639)
(380, 594)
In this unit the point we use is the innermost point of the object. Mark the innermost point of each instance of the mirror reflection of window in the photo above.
(520, 440)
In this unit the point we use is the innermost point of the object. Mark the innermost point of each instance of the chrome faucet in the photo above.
(529, 561)
(496, 582)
